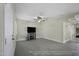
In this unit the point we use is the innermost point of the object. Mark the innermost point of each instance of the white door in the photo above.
(14, 35)
(8, 43)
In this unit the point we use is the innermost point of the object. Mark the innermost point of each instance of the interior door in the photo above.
(8, 43)
(14, 34)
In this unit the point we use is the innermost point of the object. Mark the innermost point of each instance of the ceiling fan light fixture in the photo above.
(40, 18)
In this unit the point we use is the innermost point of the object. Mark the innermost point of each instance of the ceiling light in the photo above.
(39, 21)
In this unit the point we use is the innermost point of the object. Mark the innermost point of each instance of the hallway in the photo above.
(43, 47)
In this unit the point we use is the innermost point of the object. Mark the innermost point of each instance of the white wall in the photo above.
(52, 29)
(69, 32)
(22, 28)
(1, 27)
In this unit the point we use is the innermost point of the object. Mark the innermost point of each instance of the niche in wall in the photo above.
(31, 33)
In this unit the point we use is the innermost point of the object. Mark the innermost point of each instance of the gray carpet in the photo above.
(44, 47)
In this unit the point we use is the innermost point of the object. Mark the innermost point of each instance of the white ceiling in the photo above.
(26, 11)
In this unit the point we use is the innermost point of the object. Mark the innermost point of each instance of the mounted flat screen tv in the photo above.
(31, 29)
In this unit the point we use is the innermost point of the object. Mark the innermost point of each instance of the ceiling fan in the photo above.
(40, 19)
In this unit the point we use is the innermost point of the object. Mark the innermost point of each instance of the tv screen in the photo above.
(31, 29)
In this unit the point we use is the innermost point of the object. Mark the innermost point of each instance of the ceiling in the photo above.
(26, 11)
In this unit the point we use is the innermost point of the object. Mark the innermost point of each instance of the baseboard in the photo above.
(53, 40)
(47, 39)
(21, 40)
(66, 41)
